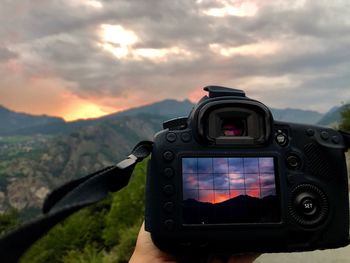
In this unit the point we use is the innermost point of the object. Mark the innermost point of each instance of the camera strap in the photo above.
(346, 137)
(69, 198)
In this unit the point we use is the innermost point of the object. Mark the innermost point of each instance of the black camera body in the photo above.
(229, 179)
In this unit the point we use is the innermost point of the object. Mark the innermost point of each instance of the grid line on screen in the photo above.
(223, 180)
(250, 177)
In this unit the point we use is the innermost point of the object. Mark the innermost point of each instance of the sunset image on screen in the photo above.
(229, 190)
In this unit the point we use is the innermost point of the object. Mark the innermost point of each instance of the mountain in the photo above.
(58, 151)
(167, 109)
(240, 209)
(11, 121)
(32, 166)
(333, 116)
(296, 115)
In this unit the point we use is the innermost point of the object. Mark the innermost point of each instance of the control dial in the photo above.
(308, 205)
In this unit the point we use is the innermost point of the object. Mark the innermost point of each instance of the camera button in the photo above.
(186, 137)
(169, 224)
(335, 139)
(293, 162)
(310, 132)
(168, 207)
(168, 156)
(281, 139)
(168, 172)
(325, 135)
(168, 190)
(171, 137)
(308, 206)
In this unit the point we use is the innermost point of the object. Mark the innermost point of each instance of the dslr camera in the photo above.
(228, 178)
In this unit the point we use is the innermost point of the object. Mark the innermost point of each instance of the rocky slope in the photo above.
(32, 166)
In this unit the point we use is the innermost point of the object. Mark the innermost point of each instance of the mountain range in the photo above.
(14, 123)
(240, 209)
(165, 109)
(38, 153)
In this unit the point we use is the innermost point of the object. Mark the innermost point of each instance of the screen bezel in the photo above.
(277, 170)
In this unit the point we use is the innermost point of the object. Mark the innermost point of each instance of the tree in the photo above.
(105, 232)
(345, 119)
(9, 221)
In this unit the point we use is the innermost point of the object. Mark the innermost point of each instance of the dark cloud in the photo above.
(62, 39)
(6, 54)
(206, 181)
(251, 165)
(267, 180)
(221, 182)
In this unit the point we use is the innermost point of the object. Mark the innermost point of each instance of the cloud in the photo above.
(287, 55)
(6, 54)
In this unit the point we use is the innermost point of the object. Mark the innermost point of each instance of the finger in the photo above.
(144, 240)
(145, 246)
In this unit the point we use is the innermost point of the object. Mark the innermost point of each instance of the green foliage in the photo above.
(127, 207)
(14, 139)
(122, 252)
(9, 221)
(104, 233)
(90, 254)
(345, 119)
(79, 231)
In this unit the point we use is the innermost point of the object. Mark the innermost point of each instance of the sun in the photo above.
(80, 108)
(117, 40)
(116, 34)
(85, 111)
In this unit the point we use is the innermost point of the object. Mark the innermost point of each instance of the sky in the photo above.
(215, 180)
(82, 59)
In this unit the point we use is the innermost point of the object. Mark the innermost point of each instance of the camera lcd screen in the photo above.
(229, 190)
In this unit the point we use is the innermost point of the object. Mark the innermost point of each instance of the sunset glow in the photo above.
(112, 55)
(84, 110)
(229, 190)
(196, 95)
(215, 180)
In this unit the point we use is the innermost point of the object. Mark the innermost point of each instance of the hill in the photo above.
(11, 121)
(31, 166)
(167, 109)
(296, 115)
(333, 117)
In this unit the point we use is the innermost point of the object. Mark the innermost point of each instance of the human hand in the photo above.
(147, 252)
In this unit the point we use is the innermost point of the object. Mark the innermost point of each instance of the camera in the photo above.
(228, 178)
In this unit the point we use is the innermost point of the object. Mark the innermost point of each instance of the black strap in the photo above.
(70, 198)
(346, 137)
